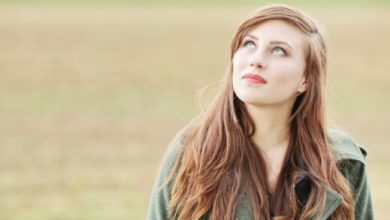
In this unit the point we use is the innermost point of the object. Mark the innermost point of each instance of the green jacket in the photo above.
(353, 167)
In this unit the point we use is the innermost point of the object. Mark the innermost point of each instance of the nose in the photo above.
(258, 61)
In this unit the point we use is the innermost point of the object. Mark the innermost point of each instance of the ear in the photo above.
(302, 87)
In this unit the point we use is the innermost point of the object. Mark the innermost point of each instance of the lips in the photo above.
(254, 78)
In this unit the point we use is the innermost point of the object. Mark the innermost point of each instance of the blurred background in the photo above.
(92, 92)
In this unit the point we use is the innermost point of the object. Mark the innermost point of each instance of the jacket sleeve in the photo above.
(353, 166)
(159, 200)
(363, 200)
(358, 178)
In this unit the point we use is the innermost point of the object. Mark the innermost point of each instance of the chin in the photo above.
(252, 100)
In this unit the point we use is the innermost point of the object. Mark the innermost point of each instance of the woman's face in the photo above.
(268, 67)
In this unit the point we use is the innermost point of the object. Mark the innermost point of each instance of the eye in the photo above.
(278, 51)
(249, 44)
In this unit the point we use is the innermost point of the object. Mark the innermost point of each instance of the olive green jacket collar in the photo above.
(332, 202)
(348, 151)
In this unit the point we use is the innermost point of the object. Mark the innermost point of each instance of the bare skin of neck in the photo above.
(271, 136)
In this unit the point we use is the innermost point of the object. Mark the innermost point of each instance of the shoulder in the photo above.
(345, 147)
(351, 162)
(161, 196)
(170, 157)
(175, 150)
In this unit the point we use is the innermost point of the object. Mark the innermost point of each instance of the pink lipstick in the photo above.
(254, 78)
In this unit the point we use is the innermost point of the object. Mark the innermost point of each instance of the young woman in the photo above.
(261, 150)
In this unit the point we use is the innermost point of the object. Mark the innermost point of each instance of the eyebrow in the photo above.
(272, 42)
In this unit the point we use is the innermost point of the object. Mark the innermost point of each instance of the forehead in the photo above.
(278, 30)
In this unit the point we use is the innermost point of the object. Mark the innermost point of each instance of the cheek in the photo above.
(294, 71)
(291, 75)
(238, 61)
(235, 63)
(235, 72)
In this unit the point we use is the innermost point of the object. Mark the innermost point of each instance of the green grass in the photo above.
(90, 97)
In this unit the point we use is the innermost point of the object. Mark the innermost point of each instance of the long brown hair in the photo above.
(217, 158)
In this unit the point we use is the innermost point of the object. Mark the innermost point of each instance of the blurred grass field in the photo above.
(90, 97)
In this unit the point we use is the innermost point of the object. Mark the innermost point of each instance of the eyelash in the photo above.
(245, 43)
(283, 50)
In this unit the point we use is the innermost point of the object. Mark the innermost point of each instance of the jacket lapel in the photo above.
(333, 198)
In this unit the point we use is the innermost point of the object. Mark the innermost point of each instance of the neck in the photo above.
(272, 127)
